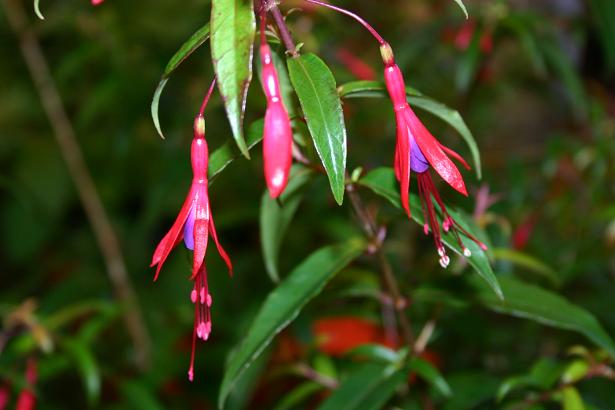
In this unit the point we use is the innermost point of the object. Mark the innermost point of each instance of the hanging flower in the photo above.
(26, 399)
(277, 133)
(417, 151)
(194, 224)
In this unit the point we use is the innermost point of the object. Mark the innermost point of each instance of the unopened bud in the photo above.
(387, 54)
(199, 127)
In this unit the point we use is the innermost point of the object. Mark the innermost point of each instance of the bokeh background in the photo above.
(534, 81)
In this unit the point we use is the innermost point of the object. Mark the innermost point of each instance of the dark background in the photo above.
(537, 92)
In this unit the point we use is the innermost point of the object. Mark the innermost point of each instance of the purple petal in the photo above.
(189, 230)
(418, 162)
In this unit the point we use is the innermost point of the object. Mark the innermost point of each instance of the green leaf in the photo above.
(565, 68)
(37, 10)
(468, 64)
(298, 395)
(87, 366)
(382, 181)
(375, 353)
(375, 89)
(540, 305)
(368, 388)
(284, 304)
(575, 371)
(521, 26)
(190, 46)
(194, 42)
(463, 7)
(156, 103)
(227, 153)
(526, 261)
(275, 218)
(431, 375)
(571, 399)
(232, 36)
(543, 376)
(315, 86)
(603, 12)
(139, 396)
(471, 389)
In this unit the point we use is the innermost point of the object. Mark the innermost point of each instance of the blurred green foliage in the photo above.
(533, 81)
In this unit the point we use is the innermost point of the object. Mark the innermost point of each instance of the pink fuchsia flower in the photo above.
(277, 133)
(97, 2)
(193, 225)
(26, 399)
(417, 151)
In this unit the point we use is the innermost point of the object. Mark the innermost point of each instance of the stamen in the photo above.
(427, 190)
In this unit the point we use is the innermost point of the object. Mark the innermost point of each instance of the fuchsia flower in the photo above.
(26, 399)
(418, 151)
(194, 224)
(277, 133)
(97, 2)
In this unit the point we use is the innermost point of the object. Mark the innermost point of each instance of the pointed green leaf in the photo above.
(232, 37)
(542, 306)
(468, 64)
(155, 103)
(603, 12)
(194, 42)
(382, 181)
(571, 399)
(526, 261)
(375, 89)
(315, 86)
(276, 215)
(37, 10)
(463, 7)
(285, 302)
(190, 46)
(368, 388)
(88, 368)
(298, 395)
(431, 375)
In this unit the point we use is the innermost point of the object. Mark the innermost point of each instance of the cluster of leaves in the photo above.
(465, 357)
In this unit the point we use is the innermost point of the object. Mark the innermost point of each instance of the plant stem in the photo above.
(371, 230)
(78, 171)
(278, 18)
(367, 223)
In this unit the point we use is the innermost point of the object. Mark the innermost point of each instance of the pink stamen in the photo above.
(428, 194)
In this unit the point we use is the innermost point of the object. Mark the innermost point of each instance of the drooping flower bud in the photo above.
(277, 132)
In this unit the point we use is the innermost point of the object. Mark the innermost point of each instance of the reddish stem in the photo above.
(359, 19)
(207, 96)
